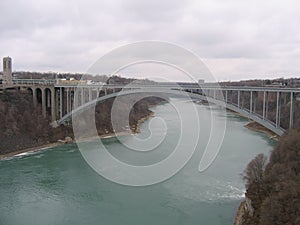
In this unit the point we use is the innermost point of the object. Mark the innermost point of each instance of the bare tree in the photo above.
(255, 169)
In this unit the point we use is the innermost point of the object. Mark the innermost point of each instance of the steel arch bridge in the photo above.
(273, 107)
(215, 95)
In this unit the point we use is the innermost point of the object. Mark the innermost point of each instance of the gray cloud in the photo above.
(237, 39)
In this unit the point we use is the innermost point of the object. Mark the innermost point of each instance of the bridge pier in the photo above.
(82, 96)
(238, 102)
(264, 106)
(56, 102)
(267, 105)
(44, 112)
(67, 93)
(60, 103)
(53, 110)
(34, 97)
(75, 100)
(291, 110)
(46, 98)
(277, 109)
(90, 94)
(251, 101)
(254, 102)
(242, 99)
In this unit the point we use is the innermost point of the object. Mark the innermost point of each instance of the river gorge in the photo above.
(57, 186)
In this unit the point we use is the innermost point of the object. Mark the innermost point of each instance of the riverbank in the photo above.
(68, 140)
(32, 149)
(240, 212)
(274, 198)
(142, 120)
(59, 143)
(25, 129)
(252, 125)
(243, 207)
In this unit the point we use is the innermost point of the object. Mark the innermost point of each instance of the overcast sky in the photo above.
(235, 39)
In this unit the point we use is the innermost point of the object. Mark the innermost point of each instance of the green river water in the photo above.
(57, 187)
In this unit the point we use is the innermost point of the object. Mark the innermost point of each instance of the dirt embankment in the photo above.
(257, 127)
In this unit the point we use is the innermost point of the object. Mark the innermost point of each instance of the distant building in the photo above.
(7, 71)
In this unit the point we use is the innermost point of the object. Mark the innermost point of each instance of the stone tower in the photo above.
(7, 71)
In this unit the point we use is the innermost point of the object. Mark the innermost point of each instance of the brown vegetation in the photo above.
(22, 126)
(274, 192)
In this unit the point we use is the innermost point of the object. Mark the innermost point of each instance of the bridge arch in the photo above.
(44, 98)
(81, 108)
(268, 124)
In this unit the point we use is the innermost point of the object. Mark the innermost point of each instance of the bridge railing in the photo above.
(33, 82)
(232, 96)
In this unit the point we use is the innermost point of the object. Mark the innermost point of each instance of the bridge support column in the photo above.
(97, 93)
(76, 98)
(264, 106)
(82, 96)
(242, 99)
(90, 94)
(292, 110)
(251, 101)
(267, 105)
(72, 98)
(34, 97)
(105, 91)
(68, 104)
(239, 93)
(226, 96)
(44, 102)
(56, 102)
(277, 109)
(60, 103)
(53, 110)
(254, 102)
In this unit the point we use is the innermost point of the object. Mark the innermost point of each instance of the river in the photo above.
(56, 186)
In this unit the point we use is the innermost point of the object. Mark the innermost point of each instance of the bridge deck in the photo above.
(209, 91)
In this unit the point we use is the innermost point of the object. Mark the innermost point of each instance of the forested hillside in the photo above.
(273, 189)
(21, 126)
